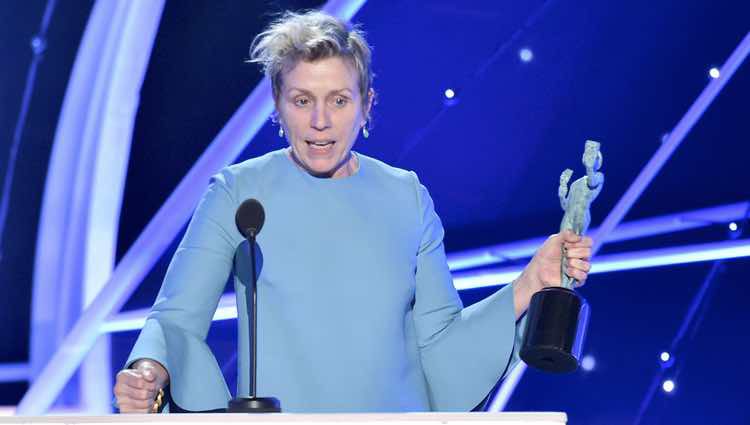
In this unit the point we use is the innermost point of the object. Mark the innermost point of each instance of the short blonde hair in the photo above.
(310, 36)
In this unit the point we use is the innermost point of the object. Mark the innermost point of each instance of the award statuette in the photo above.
(557, 316)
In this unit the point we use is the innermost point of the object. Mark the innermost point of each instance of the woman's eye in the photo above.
(340, 101)
(301, 101)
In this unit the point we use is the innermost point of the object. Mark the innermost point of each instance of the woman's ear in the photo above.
(370, 100)
(277, 118)
(370, 103)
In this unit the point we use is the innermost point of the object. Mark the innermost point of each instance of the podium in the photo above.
(416, 418)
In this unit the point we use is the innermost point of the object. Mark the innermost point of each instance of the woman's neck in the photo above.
(348, 168)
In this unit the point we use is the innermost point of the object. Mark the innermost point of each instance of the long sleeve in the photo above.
(176, 329)
(464, 351)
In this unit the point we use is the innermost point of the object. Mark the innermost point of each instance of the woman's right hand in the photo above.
(136, 388)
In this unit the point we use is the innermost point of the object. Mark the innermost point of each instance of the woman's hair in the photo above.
(310, 36)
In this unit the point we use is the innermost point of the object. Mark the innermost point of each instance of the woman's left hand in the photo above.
(549, 257)
(544, 269)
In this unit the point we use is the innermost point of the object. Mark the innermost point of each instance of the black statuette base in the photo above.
(254, 405)
(555, 330)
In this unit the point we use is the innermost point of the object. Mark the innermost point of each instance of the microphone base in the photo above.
(254, 405)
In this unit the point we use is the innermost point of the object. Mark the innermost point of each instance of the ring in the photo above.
(158, 401)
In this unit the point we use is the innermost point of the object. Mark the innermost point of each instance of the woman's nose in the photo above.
(320, 119)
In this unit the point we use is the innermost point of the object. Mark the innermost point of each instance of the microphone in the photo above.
(249, 219)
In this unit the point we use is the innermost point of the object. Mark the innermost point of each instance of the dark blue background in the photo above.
(622, 73)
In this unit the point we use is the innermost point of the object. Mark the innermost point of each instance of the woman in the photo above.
(357, 310)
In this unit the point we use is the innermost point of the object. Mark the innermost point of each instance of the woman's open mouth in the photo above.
(320, 145)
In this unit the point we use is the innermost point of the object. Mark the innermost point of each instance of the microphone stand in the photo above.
(254, 404)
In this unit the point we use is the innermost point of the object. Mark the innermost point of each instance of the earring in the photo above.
(365, 133)
(281, 132)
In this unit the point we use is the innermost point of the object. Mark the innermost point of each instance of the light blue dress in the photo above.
(357, 311)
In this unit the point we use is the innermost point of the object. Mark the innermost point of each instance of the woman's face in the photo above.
(320, 110)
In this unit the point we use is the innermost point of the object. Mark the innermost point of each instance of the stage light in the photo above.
(588, 363)
(714, 73)
(733, 226)
(449, 93)
(38, 45)
(668, 386)
(666, 359)
(11, 372)
(526, 54)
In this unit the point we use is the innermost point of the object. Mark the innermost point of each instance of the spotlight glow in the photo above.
(733, 226)
(668, 386)
(664, 356)
(526, 54)
(588, 363)
(449, 93)
(714, 73)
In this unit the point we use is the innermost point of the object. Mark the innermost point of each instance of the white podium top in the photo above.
(416, 418)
